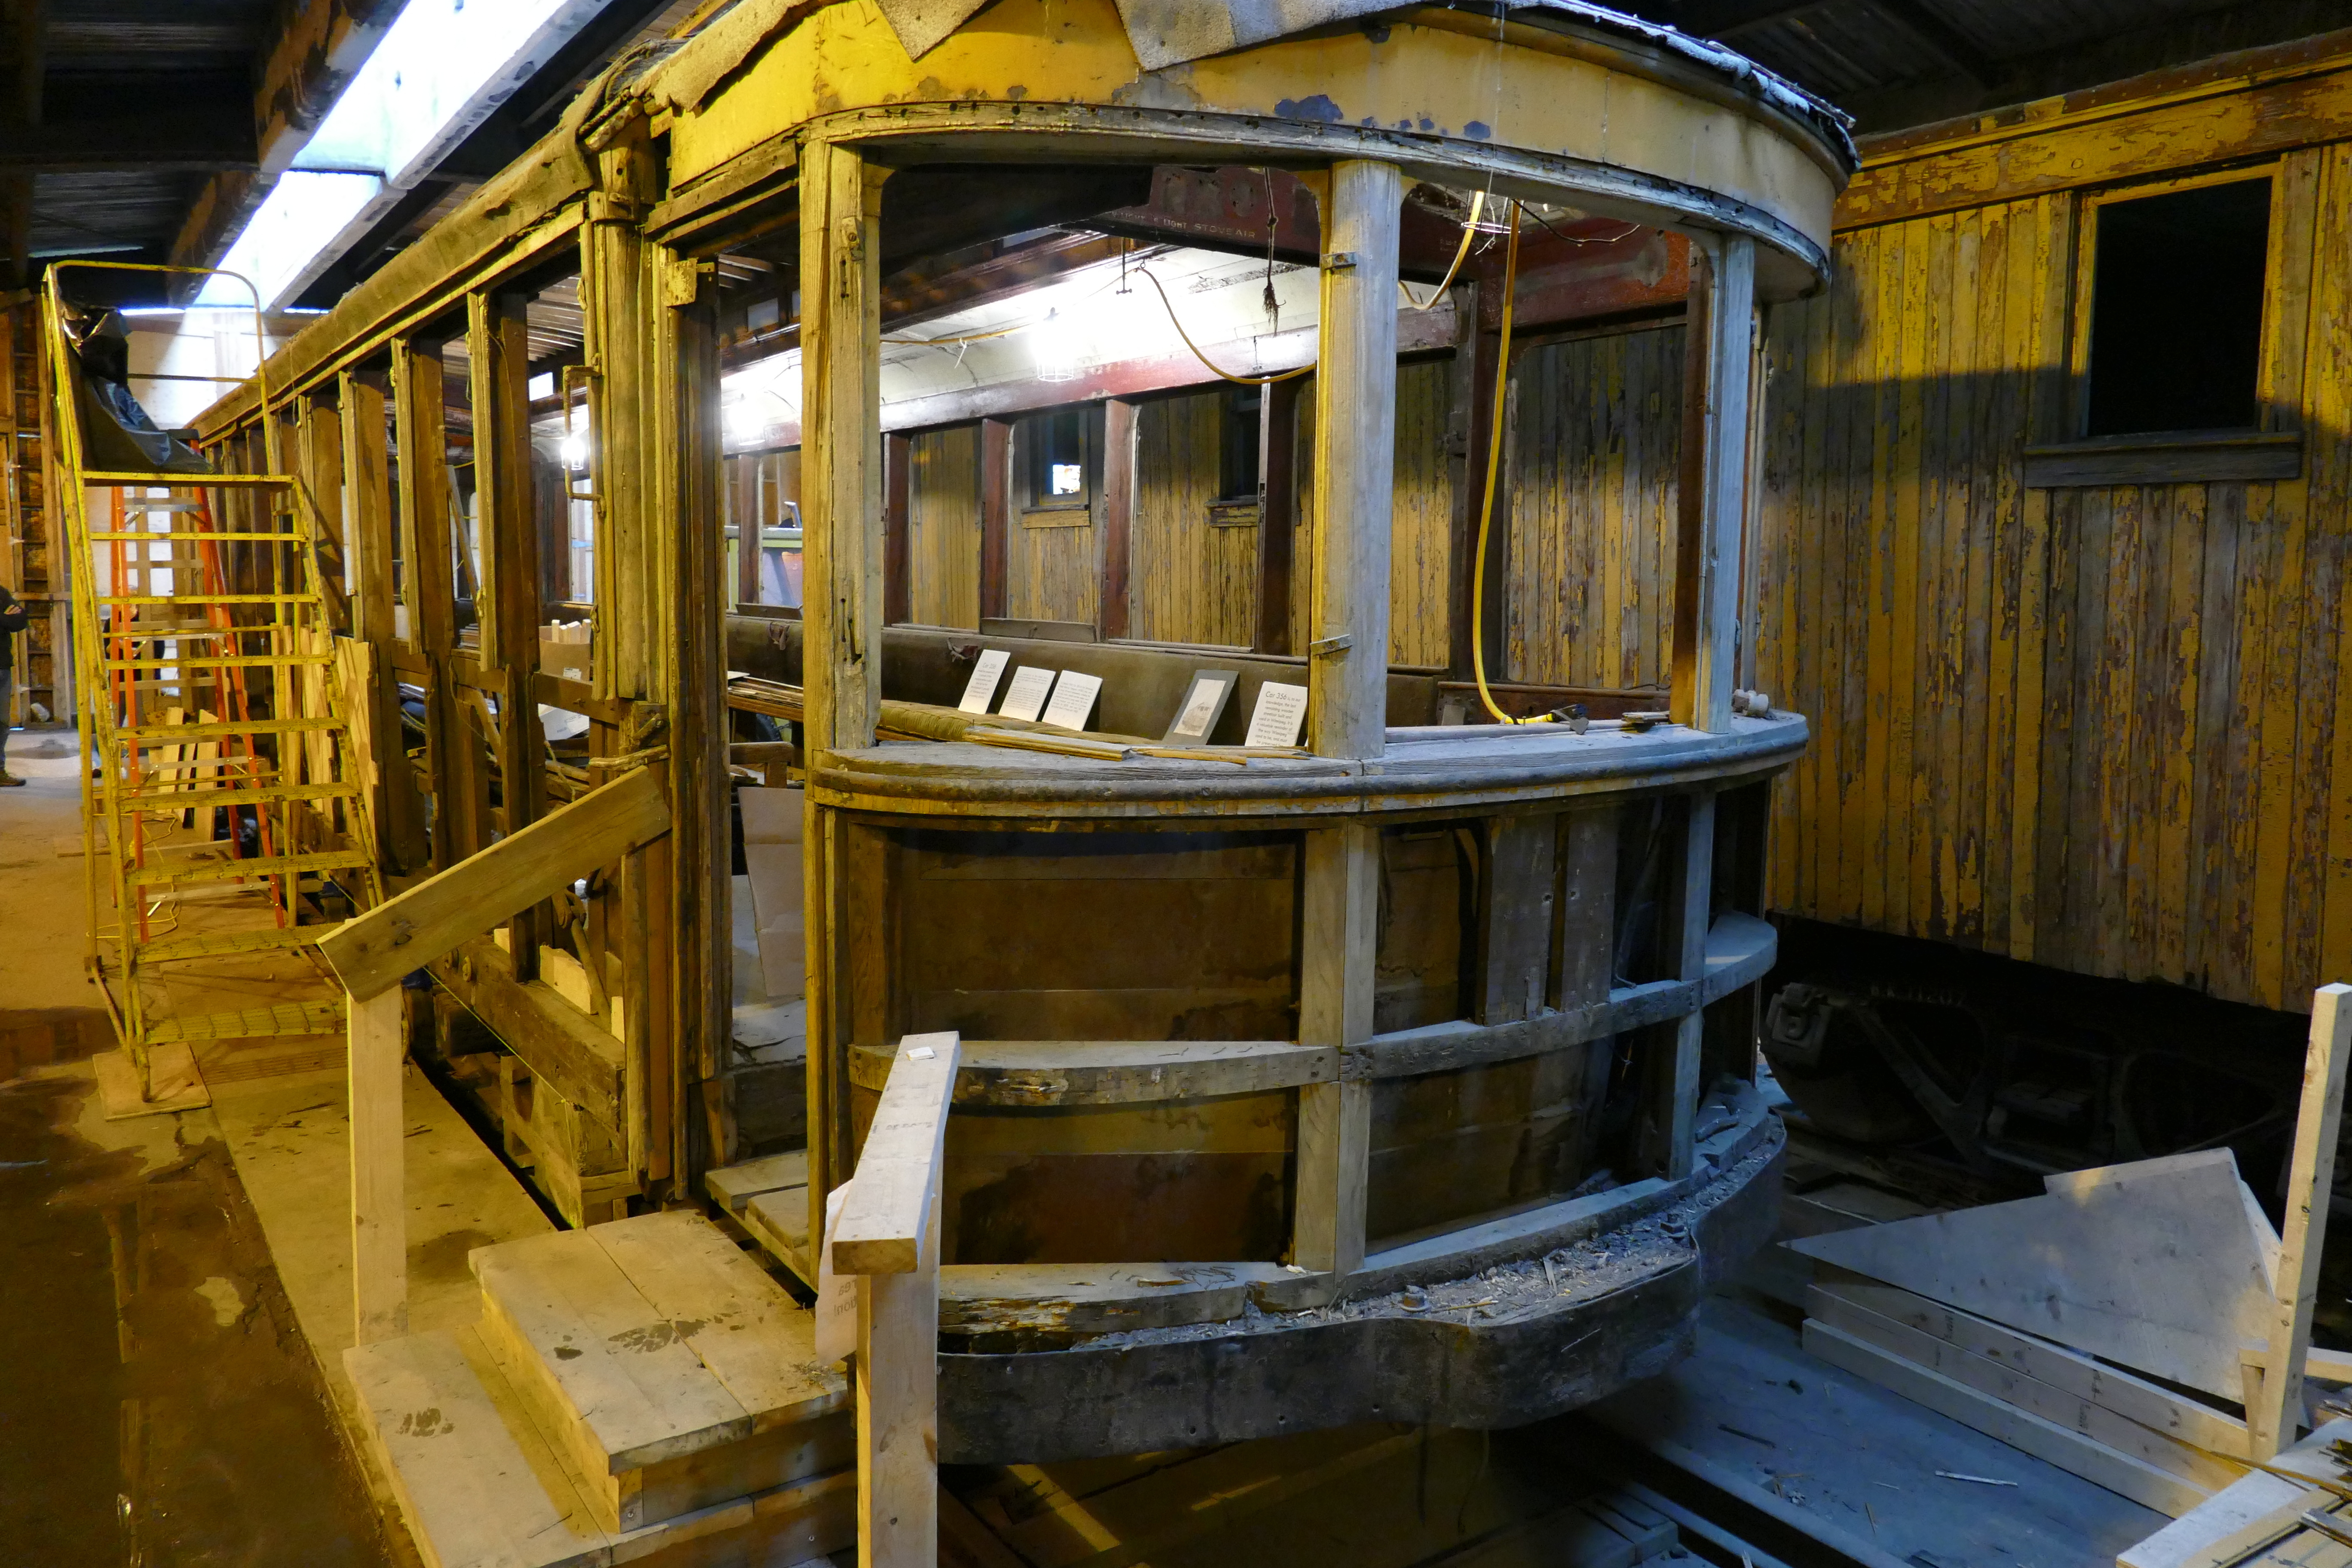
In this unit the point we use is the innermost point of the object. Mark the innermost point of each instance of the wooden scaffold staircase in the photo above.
(210, 697)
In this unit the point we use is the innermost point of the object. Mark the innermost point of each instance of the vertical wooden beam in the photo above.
(2274, 1412)
(1689, 910)
(841, 431)
(1355, 464)
(995, 516)
(841, 446)
(509, 608)
(1468, 432)
(319, 459)
(1119, 514)
(898, 589)
(747, 503)
(367, 500)
(378, 1190)
(421, 425)
(1277, 522)
(1515, 918)
(1340, 933)
(1714, 489)
(1588, 908)
(685, 528)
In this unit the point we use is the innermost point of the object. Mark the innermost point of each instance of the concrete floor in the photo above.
(176, 1291)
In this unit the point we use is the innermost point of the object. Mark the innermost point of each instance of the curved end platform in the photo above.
(1557, 1306)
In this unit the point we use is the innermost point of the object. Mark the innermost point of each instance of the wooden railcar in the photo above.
(1259, 1046)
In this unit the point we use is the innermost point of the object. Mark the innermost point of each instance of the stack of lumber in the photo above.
(2297, 1511)
(2101, 1327)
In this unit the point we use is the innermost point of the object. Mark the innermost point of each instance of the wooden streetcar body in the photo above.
(1258, 1050)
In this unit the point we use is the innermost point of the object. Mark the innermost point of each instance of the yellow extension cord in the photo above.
(1494, 468)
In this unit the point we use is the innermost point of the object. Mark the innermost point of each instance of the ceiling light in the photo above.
(1059, 348)
(287, 234)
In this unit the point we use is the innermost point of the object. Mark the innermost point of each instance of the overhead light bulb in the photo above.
(1059, 348)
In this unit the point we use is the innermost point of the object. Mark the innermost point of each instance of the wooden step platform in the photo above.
(670, 1369)
(480, 1486)
(768, 1198)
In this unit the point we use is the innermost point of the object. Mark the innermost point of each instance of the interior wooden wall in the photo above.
(1595, 434)
(943, 527)
(2102, 728)
(1191, 582)
(1421, 523)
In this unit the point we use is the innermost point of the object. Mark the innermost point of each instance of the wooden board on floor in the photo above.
(2046, 1440)
(172, 1080)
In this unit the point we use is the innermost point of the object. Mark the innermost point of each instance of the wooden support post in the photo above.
(508, 609)
(2274, 1409)
(1587, 909)
(1689, 908)
(1340, 933)
(1721, 326)
(1277, 522)
(995, 516)
(1119, 514)
(367, 490)
(841, 430)
(897, 587)
(841, 444)
(1477, 351)
(378, 1190)
(1515, 920)
(421, 424)
(1355, 464)
(888, 1234)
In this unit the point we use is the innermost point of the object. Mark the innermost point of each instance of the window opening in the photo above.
(1059, 470)
(1237, 446)
(2176, 310)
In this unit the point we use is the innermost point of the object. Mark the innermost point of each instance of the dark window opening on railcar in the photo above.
(1237, 447)
(1059, 461)
(2177, 310)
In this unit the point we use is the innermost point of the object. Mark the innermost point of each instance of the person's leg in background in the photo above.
(7, 697)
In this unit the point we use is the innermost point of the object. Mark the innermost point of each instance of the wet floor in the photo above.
(158, 1403)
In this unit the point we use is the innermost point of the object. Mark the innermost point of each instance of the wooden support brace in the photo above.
(1678, 1116)
(378, 1190)
(1340, 931)
(423, 924)
(1713, 489)
(2275, 1407)
(888, 1234)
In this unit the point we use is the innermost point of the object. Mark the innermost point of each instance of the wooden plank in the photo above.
(1337, 982)
(732, 1187)
(2147, 1404)
(841, 455)
(1679, 1085)
(2021, 1430)
(1707, 555)
(1588, 908)
(2273, 1415)
(898, 584)
(1117, 514)
(738, 1321)
(995, 516)
(421, 426)
(884, 1224)
(1517, 894)
(377, 1033)
(427, 921)
(897, 1418)
(1279, 512)
(2011, 1386)
(628, 1393)
(1355, 465)
(1116, 1072)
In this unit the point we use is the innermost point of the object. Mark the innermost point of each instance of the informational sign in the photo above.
(1073, 700)
(1280, 711)
(980, 689)
(1204, 702)
(1025, 698)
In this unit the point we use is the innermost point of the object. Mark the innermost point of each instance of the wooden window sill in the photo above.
(1234, 513)
(2170, 459)
(1081, 515)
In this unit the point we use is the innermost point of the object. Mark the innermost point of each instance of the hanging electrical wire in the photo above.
(1145, 273)
(1493, 468)
(1461, 253)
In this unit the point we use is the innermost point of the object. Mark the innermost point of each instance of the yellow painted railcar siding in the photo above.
(1594, 439)
(2094, 728)
(943, 527)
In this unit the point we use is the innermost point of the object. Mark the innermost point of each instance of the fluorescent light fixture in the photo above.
(294, 224)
